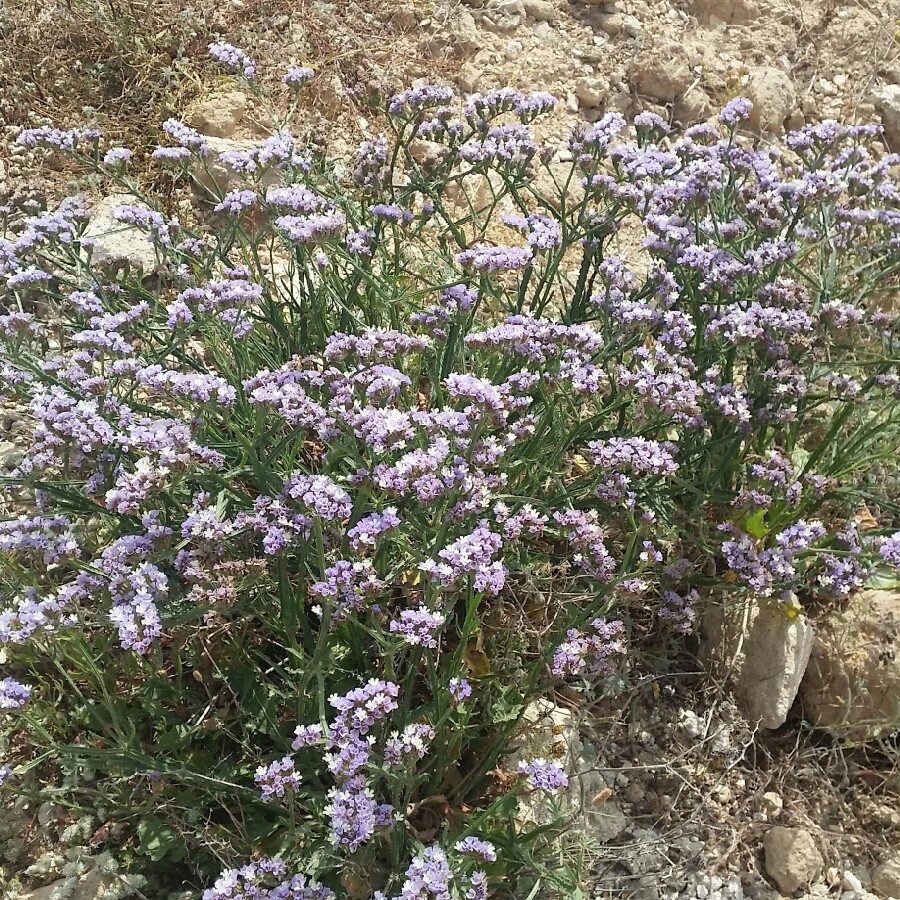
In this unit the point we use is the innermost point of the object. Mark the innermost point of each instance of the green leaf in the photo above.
(755, 525)
(158, 840)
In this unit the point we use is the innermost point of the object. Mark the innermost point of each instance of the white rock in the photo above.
(792, 858)
(539, 10)
(850, 882)
(733, 12)
(887, 102)
(591, 91)
(220, 115)
(662, 72)
(886, 878)
(852, 687)
(115, 242)
(773, 96)
(691, 724)
(764, 651)
(772, 805)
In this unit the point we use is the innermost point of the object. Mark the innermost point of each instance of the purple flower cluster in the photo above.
(365, 533)
(890, 550)
(495, 259)
(418, 627)
(587, 537)
(232, 58)
(265, 879)
(13, 695)
(590, 654)
(277, 778)
(543, 775)
(348, 586)
(472, 554)
(320, 495)
(459, 689)
(634, 454)
(414, 741)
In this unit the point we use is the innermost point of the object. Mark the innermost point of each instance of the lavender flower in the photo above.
(277, 778)
(13, 695)
(414, 741)
(735, 111)
(298, 76)
(313, 228)
(233, 58)
(473, 554)
(368, 529)
(543, 775)
(590, 655)
(361, 708)
(391, 211)
(415, 99)
(320, 495)
(428, 876)
(890, 550)
(306, 736)
(459, 689)
(236, 202)
(495, 259)
(117, 156)
(348, 585)
(634, 454)
(478, 847)
(418, 627)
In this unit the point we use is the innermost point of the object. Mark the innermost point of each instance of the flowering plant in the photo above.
(284, 490)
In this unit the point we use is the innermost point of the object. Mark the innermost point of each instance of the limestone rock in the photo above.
(792, 858)
(886, 877)
(852, 684)
(734, 12)
(887, 102)
(504, 15)
(693, 106)
(115, 242)
(466, 39)
(220, 115)
(539, 10)
(551, 731)
(774, 98)
(591, 91)
(662, 73)
(764, 651)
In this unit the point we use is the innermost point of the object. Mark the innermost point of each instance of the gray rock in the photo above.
(220, 115)
(115, 242)
(886, 878)
(10, 455)
(887, 102)
(591, 91)
(539, 10)
(774, 99)
(792, 858)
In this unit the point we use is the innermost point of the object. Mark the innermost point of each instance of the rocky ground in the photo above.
(777, 776)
